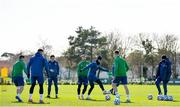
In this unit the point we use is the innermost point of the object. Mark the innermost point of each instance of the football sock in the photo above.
(41, 96)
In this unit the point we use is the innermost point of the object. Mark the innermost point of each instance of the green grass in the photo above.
(68, 96)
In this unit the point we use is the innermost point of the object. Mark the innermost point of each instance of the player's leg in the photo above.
(79, 87)
(49, 86)
(18, 89)
(85, 82)
(21, 89)
(124, 82)
(158, 81)
(33, 83)
(21, 86)
(102, 87)
(56, 86)
(114, 85)
(91, 88)
(112, 91)
(41, 90)
(165, 87)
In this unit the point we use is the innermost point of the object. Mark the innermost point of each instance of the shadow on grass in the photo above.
(175, 101)
(16, 102)
(127, 102)
(29, 102)
(93, 100)
(38, 103)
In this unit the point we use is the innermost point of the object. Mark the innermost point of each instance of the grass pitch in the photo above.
(68, 96)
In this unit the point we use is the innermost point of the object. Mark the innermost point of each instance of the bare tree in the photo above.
(43, 44)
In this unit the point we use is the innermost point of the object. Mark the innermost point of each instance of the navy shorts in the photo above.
(92, 79)
(18, 81)
(40, 79)
(83, 80)
(122, 80)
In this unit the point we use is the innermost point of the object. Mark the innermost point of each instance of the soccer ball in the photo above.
(117, 96)
(150, 97)
(170, 98)
(160, 97)
(116, 101)
(165, 98)
(107, 97)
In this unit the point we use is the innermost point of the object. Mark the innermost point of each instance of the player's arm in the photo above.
(87, 67)
(28, 67)
(116, 66)
(58, 66)
(127, 67)
(113, 70)
(24, 68)
(158, 71)
(78, 68)
(169, 71)
(46, 65)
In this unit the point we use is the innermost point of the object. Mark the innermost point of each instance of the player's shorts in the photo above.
(18, 81)
(92, 79)
(83, 80)
(122, 80)
(40, 79)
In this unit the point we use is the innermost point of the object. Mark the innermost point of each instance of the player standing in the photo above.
(17, 76)
(163, 74)
(82, 76)
(35, 71)
(53, 75)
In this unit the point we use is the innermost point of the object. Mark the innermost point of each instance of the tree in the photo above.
(150, 56)
(43, 44)
(87, 41)
(135, 60)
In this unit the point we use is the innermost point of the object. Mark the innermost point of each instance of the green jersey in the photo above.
(120, 67)
(18, 69)
(82, 65)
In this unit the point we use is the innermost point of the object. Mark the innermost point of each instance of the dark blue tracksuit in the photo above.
(53, 73)
(163, 74)
(35, 67)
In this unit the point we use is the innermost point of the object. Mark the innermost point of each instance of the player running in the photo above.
(35, 71)
(82, 76)
(53, 74)
(163, 74)
(94, 66)
(17, 76)
(120, 67)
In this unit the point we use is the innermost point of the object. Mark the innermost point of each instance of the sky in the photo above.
(25, 23)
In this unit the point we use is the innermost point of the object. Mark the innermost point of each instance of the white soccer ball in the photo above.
(150, 97)
(160, 97)
(117, 96)
(116, 101)
(165, 98)
(107, 97)
(170, 98)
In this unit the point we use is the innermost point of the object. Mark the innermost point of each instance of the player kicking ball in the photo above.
(120, 67)
(17, 76)
(94, 66)
(82, 76)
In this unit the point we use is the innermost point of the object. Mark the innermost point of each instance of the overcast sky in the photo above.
(24, 22)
